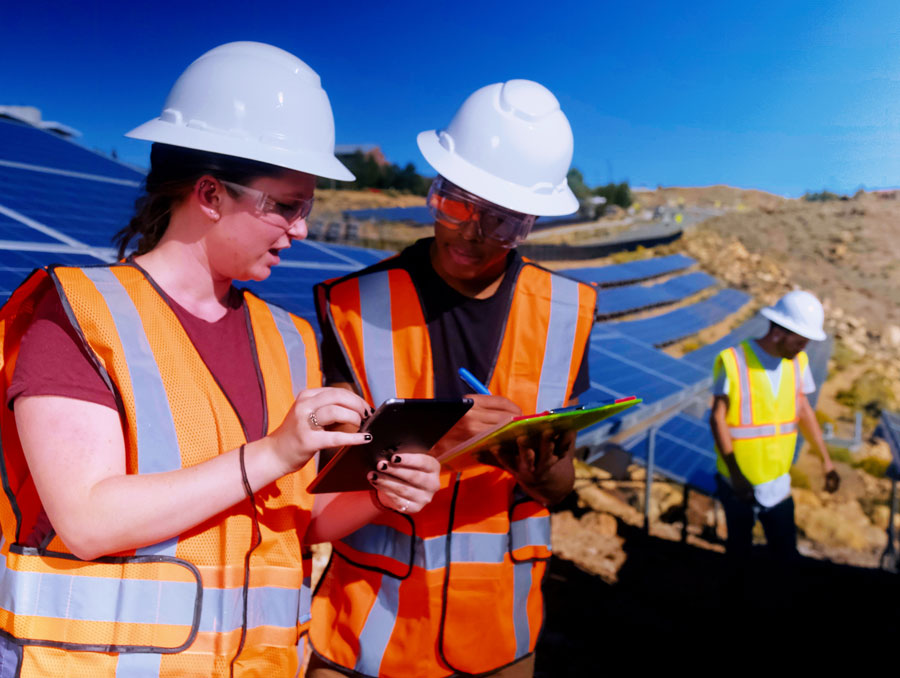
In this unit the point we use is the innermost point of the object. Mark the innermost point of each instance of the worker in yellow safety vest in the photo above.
(159, 420)
(760, 401)
(456, 589)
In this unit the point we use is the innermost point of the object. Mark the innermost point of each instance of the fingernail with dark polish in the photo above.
(367, 436)
(382, 466)
(373, 477)
(396, 458)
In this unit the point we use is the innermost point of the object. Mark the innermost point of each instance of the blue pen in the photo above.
(470, 379)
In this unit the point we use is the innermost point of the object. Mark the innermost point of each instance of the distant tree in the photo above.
(616, 194)
(369, 174)
(576, 183)
(822, 196)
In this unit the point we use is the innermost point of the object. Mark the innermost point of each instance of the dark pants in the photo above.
(758, 584)
(740, 517)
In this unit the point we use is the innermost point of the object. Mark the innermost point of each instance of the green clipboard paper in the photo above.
(572, 418)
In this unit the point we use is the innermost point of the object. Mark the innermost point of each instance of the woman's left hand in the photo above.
(407, 480)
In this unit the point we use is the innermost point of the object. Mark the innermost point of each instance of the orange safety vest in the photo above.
(455, 588)
(762, 424)
(216, 596)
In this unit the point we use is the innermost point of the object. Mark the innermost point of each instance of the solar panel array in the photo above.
(61, 203)
(631, 271)
(669, 327)
(630, 298)
(421, 216)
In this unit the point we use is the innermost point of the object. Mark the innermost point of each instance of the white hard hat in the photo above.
(253, 101)
(510, 144)
(800, 312)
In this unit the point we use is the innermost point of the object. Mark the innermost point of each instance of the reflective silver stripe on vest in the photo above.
(465, 547)
(764, 430)
(157, 442)
(554, 381)
(293, 345)
(266, 606)
(379, 626)
(522, 575)
(99, 599)
(530, 532)
(143, 601)
(744, 379)
(143, 664)
(377, 335)
(745, 432)
(429, 554)
(305, 612)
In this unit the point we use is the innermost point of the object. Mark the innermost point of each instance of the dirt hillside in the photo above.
(709, 196)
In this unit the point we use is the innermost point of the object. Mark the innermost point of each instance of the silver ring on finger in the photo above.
(313, 422)
(405, 506)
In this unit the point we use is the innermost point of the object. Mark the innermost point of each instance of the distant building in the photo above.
(32, 116)
(368, 150)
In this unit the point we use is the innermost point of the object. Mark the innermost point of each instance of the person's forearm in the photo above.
(124, 512)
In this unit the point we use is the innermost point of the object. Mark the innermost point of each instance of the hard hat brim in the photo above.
(319, 164)
(782, 320)
(493, 189)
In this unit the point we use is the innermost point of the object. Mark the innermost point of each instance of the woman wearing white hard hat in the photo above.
(161, 420)
(464, 596)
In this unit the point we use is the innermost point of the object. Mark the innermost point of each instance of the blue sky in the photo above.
(781, 96)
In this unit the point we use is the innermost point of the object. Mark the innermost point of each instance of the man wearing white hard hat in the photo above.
(759, 391)
(456, 589)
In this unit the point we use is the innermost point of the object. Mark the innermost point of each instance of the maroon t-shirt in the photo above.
(54, 361)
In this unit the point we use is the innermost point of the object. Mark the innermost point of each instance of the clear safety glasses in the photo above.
(454, 207)
(265, 204)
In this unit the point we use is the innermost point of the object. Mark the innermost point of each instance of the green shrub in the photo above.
(871, 392)
(873, 466)
(842, 356)
(840, 454)
(822, 196)
(799, 478)
(823, 418)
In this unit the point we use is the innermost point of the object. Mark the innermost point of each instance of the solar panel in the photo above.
(705, 355)
(683, 452)
(616, 301)
(889, 430)
(22, 143)
(669, 327)
(620, 366)
(630, 272)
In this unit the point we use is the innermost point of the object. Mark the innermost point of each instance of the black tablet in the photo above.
(398, 422)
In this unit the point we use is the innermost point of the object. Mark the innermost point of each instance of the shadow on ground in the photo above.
(673, 593)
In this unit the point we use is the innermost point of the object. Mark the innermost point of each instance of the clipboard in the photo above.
(572, 418)
(397, 422)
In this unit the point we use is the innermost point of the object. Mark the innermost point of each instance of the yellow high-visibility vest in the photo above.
(763, 424)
